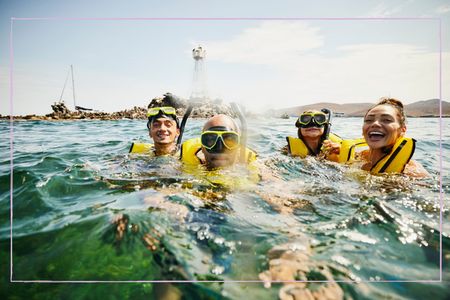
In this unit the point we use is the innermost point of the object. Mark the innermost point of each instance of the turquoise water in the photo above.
(71, 178)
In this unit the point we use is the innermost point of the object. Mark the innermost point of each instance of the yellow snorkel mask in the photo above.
(311, 119)
(163, 111)
(211, 138)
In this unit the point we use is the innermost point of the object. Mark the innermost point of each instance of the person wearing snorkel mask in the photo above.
(163, 128)
(313, 138)
(219, 145)
(220, 140)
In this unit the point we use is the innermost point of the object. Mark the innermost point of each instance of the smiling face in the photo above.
(382, 127)
(312, 133)
(163, 131)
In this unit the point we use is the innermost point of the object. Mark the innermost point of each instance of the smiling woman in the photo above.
(384, 129)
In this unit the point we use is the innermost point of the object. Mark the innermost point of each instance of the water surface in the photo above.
(71, 178)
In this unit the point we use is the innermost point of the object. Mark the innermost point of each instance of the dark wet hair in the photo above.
(397, 104)
(162, 114)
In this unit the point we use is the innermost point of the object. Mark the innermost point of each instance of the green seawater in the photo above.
(71, 178)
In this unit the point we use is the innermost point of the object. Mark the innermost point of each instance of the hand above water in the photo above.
(331, 150)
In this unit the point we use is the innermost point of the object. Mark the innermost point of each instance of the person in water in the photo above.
(384, 131)
(313, 138)
(218, 146)
(163, 128)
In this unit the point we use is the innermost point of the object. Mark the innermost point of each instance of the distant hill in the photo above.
(426, 108)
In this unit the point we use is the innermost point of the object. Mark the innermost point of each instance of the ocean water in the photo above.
(72, 178)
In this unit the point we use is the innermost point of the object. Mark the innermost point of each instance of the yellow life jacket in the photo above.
(145, 148)
(227, 178)
(393, 162)
(349, 149)
(396, 160)
(142, 148)
(191, 147)
(297, 147)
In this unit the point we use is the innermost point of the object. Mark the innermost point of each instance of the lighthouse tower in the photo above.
(199, 90)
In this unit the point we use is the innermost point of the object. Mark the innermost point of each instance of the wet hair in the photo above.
(161, 114)
(397, 104)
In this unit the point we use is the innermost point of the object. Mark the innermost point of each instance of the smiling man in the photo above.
(218, 146)
(220, 141)
(163, 128)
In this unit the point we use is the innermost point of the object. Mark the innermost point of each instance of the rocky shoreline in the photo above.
(203, 109)
(208, 108)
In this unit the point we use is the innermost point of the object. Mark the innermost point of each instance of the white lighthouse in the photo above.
(199, 90)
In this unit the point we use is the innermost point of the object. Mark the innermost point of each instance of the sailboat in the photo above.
(77, 107)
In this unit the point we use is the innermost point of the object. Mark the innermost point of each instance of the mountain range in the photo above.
(426, 108)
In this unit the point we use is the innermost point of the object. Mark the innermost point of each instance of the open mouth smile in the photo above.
(162, 135)
(376, 135)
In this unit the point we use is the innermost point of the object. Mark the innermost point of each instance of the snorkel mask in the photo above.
(311, 119)
(154, 113)
(218, 138)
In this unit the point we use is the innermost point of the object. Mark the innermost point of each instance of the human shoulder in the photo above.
(415, 169)
(362, 155)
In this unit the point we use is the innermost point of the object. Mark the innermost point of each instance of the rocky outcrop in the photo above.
(168, 99)
(61, 112)
(202, 109)
(208, 109)
(60, 108)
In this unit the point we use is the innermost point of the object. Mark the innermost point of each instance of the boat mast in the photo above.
(73, 88)
(64, 87)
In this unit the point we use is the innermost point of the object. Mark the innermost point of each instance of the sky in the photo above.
(262, 54)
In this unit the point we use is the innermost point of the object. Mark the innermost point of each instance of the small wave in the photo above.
(357, 237)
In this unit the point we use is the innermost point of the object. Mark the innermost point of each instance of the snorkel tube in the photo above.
(327, 130)
(238, 111)
(183, 123)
